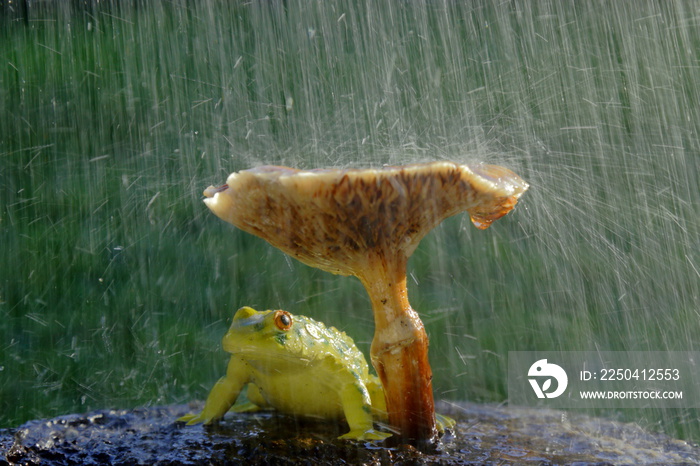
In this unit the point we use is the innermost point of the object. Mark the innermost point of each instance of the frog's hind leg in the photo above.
(358, 413)
(376, 394)
(250, 400)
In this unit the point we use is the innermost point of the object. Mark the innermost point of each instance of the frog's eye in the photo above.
(283, 320)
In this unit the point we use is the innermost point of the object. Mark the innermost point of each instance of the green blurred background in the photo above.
(117, 284)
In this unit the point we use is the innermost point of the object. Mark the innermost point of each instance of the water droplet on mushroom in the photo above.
(480, 222)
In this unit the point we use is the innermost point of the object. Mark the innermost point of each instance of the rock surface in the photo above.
(485, 434)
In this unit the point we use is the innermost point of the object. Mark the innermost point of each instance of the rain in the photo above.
(117, 283)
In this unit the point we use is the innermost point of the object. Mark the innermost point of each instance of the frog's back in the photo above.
(320, 342)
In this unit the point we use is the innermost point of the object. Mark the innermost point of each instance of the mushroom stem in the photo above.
(399, 352)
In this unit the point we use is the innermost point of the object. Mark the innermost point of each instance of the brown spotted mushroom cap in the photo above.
(331, 218)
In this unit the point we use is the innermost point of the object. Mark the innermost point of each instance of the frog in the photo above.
(298, 366)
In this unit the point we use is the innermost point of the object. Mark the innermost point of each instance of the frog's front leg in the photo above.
(358, 414)
(250, 401)
(223, 395)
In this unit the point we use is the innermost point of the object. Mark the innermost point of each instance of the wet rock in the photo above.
(485, 434)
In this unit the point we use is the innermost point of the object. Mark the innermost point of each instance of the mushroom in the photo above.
(367, 223)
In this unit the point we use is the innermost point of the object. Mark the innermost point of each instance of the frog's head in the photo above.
(263, 334)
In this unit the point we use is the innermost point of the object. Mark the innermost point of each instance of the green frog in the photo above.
(298, 366)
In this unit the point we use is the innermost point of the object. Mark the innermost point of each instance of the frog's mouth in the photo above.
(268, 359)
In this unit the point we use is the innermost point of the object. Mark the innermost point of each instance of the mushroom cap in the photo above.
(334, 219)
